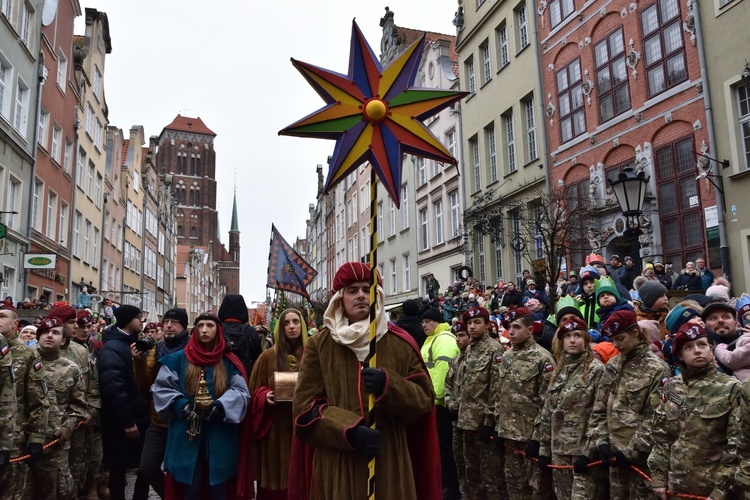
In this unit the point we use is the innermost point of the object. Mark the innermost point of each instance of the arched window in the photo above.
(198, 166)
(197, 198)
(179, 230)
(193, 232)
(192, 164)
(192, 197)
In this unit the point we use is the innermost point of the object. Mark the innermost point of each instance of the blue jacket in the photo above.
(219, 439)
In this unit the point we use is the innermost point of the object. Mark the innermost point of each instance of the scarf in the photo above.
(172, 344)
(355, 336)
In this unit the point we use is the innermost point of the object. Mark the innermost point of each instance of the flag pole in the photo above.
(372, 358)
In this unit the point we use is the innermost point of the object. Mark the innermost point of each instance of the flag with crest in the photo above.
(287, 270)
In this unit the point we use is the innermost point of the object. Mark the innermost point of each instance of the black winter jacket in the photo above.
(413, 325)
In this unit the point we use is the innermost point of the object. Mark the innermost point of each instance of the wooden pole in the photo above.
(372, 357)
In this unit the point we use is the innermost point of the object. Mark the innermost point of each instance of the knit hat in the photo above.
(458, 326)
(62, 310)
(530, 282)
(685, 334)
(411, 307)
(717, 304)
(567, 305)
(48, 324)
(32, 328)
(179, 314)
(125, 314)
(233, 307)
(651, 327)
(208, 315)
(572, 325)
(678, 316)
(7, 305)
(605, 284)
(515, 314)
(352, 272)
(718, 291)
(619, 322)
(606, 350)
(650, 292)
(83, 317)
(743, 310)
(593, 258)
(588, 273)
(615, 256)
(432, 314)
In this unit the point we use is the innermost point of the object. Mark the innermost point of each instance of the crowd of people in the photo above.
(597, 392)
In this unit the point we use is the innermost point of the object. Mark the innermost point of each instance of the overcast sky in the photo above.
(228, 62)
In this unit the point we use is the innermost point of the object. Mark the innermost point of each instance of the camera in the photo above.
(145, 344)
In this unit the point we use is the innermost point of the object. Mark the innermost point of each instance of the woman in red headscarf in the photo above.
(271, 413)
(202, 392)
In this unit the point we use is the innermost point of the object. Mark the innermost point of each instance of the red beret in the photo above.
(352, 272)
(476, 312)
(574, 324)
(7, 305)
(685, 334)
(83, 317)
(515, 314)
(458, 326)
(150, 326)
(48, 324)
(618, 322)
(64, 311)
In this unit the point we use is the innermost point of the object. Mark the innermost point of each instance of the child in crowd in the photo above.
(587, 297)
(654, 304)
(608, 298)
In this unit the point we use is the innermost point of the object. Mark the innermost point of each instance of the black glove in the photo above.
(216, 414)
(581, 465)
(308, 416)
(500, 443)
(486, 433)
(620, 459)
(544, 463)
(604, 452)
(36, 452)
(532, 449)
(4, 459)
(362, 438)
(187, 410)
(374, 380)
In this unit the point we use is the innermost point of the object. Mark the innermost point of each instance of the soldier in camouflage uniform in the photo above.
(32, 403)
(742, 478)
(452, 388)
(694, 428)
(566, 411)
(520, 378)
(50, 478)
(484, 478)
(624, 405)
(8, 407)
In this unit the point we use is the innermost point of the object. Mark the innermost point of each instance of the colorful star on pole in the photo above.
(374, 113)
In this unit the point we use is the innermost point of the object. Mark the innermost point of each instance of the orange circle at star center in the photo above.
(376, 110)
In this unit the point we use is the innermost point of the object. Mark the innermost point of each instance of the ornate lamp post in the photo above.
(630, 190)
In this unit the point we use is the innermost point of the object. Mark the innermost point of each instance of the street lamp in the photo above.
(630, 190)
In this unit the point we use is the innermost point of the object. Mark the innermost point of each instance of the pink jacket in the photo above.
(738, 360)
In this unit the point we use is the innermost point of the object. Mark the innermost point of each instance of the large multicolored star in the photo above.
(374, 113)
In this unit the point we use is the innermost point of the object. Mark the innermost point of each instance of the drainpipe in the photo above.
(124, 234)
(41, 73)
(723, 247)
(465, 236)
(102, 271)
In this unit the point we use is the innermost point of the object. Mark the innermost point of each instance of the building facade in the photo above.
(624, 89)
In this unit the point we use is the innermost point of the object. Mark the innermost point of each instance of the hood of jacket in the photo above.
(233, 306)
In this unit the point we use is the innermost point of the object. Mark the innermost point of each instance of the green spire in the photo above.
(235, 225)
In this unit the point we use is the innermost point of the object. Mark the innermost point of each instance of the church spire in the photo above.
(235, 228)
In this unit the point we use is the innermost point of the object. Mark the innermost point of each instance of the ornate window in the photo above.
(570, 101)
(664, 50)
(559, 10)
(611, 76)
(743, 94)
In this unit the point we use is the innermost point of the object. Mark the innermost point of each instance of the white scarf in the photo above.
(357, 335)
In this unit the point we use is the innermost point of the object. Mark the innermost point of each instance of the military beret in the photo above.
(476, 312)
(619, 322)
(48, 324)
(572, 325)
(685, 334)
(458, 326)
(515, 314)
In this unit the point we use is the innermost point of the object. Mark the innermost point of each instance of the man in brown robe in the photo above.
(330, 402)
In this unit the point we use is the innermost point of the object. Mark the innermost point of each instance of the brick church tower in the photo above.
(186, 151)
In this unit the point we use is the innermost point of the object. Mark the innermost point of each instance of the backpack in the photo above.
(242, 340)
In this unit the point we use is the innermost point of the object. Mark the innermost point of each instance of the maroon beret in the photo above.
(7, 305)
(64, 311)
(352, 272)
(618, 322)
(514, 314)
(83, 317)
(458, 326)
(476, 312)
(48, 324)
(685, 334)
(574, 324)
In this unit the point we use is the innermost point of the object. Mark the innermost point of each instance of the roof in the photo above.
(144, 157)
(188, 124)
(235, 226)
(124, 155)
(410, 36)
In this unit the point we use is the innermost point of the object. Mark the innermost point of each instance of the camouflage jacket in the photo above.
(520, 378)
(567, 407)
(31, 394)
(625, 402)
(743, 438)
(66, 392)
(79, 354)
(453, 383)
(8, 406)
(694, 433)
(475, 375)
